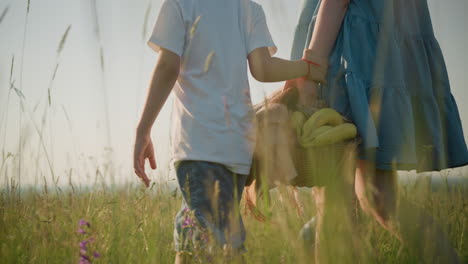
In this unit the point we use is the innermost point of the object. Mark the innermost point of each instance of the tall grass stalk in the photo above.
(42, 143)
(20, 121)
(60, 48)
(7, 104)
(4, 13)
(73, 137)
(49, 109)
(108, 166)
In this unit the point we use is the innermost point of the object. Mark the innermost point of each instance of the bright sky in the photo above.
(82, 92)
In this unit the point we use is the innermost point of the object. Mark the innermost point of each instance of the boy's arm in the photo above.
(162, 82)
(265, 68)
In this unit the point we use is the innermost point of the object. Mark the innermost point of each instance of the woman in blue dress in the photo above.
(386, 73)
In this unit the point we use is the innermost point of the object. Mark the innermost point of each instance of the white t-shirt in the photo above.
(212, 117)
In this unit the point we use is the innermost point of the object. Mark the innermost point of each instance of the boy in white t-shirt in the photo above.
(204, 45)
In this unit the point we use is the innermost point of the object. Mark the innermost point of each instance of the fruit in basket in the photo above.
(297, 122)
(336, 134)
(307, 138)
(325, 116)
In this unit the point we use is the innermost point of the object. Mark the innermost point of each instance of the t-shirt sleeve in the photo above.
(169, 30)
(258, 35)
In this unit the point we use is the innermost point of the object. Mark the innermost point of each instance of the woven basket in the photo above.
(316, 166)
(319, 166)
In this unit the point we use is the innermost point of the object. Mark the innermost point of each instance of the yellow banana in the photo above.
(325, 116)
(297, 122)
(307, 138)
(334, 135)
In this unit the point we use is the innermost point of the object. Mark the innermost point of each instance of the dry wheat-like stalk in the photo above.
(4, 13)
(60, 48)
(63, 40)
(193, 29)
(208, 61)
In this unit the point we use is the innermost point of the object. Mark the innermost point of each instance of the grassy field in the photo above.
(131, 225)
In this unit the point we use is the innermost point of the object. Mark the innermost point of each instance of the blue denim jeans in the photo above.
(210, 214)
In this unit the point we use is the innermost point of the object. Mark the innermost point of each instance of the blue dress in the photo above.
(387, 74)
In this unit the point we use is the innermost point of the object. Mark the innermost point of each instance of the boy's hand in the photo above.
(164, 77)
(143, 150)
(317, 74)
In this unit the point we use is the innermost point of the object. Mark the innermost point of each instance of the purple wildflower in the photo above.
(83, 244)
(187, 222)
(84, 223)
(85, 258)
(84, 261)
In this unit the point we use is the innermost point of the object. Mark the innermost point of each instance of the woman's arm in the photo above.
(329, 19)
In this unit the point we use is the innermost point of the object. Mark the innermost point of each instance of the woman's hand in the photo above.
(308, 93)
(143, 150)
(289, 84)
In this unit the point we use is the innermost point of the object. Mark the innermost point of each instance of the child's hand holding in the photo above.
(318, 66)
(308, 87)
